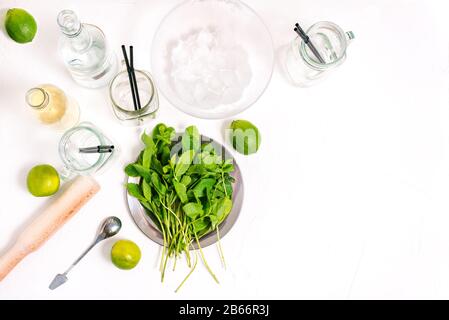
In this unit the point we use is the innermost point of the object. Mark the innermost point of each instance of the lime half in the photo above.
(245, 137)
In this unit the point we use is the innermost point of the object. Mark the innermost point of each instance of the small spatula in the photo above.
(110, 227)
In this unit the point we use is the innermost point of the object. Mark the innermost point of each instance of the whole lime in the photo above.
(20, 25)
(245, 137)
(125, 254)
(43, 180)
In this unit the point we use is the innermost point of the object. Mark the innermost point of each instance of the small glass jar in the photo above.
(53, 107)
(331, 42)
(122, 100)
(85, 135)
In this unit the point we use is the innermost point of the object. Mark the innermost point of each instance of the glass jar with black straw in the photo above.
(133, 95)
(316, 52)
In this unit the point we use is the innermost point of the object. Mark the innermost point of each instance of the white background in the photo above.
(347, 197)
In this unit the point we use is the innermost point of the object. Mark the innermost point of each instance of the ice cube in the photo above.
(201, 53)
(240, 55)
(206, 38)
(217, 59)
(215, 84)
(211, 100)
(228, 77)
(200, 92)
(190, 40)
(199, 68)
(225, 39)
(235, 56)
(231, 95)
(184, 91)
(244, 74)
(184, 74)
(180, 55)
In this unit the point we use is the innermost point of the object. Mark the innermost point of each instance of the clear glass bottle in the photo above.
(52, 107)
(85, 52)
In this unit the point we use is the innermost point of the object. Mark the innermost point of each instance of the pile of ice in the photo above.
(208, 70)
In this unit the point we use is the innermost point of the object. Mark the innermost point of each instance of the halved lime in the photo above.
(245, 137)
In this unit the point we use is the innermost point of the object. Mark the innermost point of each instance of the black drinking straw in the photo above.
(97, 149)
(128, 68)
(133, 73)
(309, 43)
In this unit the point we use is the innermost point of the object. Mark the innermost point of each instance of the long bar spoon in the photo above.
(109, 228)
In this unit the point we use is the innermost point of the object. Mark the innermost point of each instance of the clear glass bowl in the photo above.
(241, 28)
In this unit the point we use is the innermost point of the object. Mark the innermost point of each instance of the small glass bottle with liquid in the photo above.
(52, 107)
(85, 52)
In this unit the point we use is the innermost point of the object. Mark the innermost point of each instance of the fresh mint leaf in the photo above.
(191, 139)
(183, 163)
(134, 190)
(131, 171)
(146, 189)
(181, 191)
(193, 210)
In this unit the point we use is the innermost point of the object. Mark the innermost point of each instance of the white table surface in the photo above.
(347, 197)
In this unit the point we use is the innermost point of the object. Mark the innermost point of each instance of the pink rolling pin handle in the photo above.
(11, 258)
(64, 207)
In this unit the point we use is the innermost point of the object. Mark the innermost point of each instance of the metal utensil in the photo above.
(109, 228)
(309, 43)
(97, 149)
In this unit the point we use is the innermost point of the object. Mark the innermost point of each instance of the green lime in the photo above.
(20, 25)
(43, 180)
(245, 137)
(125, 254)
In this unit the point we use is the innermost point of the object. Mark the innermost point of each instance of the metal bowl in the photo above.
(148, 227)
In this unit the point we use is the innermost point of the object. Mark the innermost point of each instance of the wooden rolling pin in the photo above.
(65, 206)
